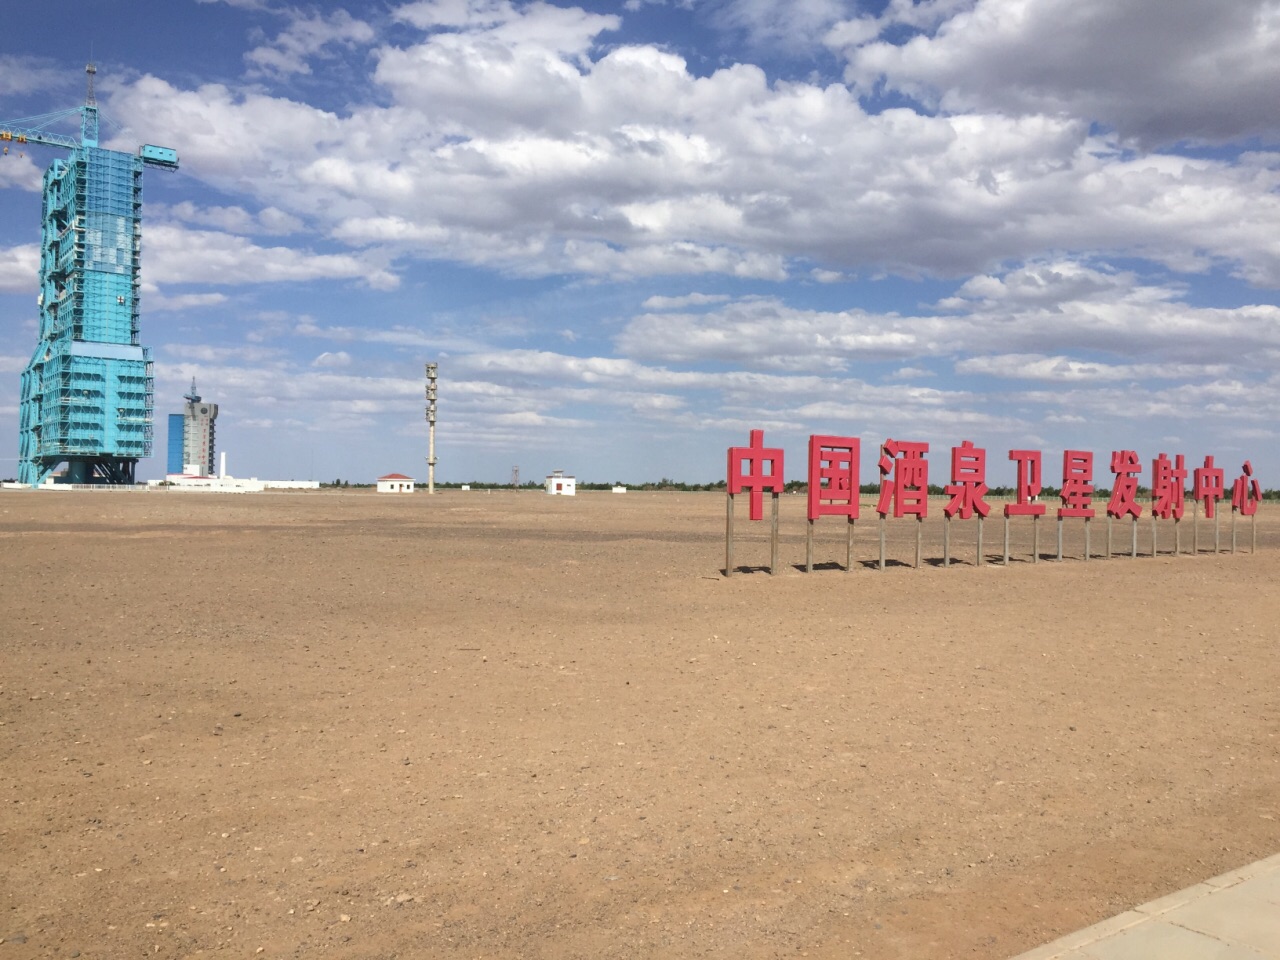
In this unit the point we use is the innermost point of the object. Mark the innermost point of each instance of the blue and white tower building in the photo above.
(87, 392)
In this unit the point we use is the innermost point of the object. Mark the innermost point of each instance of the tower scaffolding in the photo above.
(88, 392)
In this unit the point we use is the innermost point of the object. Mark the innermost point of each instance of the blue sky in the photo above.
(629, 232)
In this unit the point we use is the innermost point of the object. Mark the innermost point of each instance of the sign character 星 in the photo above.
(1077, 484)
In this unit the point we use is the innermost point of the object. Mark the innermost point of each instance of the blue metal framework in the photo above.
(88, 390)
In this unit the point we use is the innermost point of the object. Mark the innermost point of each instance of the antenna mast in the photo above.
(89, 112)
(431, 427)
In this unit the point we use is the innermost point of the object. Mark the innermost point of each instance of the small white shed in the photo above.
(560, 485)
(395, 483)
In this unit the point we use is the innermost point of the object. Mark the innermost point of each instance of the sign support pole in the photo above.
(848, 546)
(1059, 538)
(728, 536)
(882, 541)
(1035, 539)
(1006, 540)
(773, 538)
(1087, 521)
(919, 530)
(980, 541)
(1109, 518)
(1133, 546)
(1233, 529)
(808, 548)
(946, 543)
(1155, 551)
(1195, 526)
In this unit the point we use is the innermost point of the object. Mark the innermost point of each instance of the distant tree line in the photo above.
(792, 486)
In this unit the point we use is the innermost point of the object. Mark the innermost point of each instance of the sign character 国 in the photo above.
(833, 487)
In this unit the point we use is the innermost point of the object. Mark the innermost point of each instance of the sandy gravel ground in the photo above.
(509, 725)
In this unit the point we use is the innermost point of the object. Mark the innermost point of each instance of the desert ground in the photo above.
(510, 725)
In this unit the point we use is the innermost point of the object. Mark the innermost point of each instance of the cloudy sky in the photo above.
(631, 231)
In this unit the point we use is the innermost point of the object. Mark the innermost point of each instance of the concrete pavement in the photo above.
(1235, 916)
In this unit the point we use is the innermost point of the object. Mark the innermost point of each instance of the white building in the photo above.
(395, 483)
(560, 485)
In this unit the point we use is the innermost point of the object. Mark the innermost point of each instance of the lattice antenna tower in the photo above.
(431, 427)
(87, 395)
(515, 478)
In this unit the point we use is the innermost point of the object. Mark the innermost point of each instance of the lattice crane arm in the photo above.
(15, 134)
(31, 130)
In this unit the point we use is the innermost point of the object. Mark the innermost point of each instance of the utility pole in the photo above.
(431, 428)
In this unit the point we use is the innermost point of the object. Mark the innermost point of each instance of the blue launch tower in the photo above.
(88, 391)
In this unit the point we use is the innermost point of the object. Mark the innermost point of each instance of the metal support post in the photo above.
(773, 538)
(848, 546)
(882, 541)
(1006, 541)
(808, 548)
(979, 540)
(728, 536)
(919, 531)
(946, 542)
(1059, 538)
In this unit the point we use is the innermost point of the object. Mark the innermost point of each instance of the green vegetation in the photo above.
(793, 486)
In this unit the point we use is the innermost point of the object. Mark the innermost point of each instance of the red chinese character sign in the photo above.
(1124, 489)
(754, 469)
(904, 485)
(967, 488)
(968, 482)
(833, 487)
(1029, 471)
(833, 490)
(904, 479)
(1077, 484)
(1168, 497)
(1077, 492)
(1207, 487)
(1168, 487)
(833, 476)
(1126, 465)
(1246, 494)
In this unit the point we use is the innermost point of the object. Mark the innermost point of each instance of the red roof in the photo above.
(395, 476)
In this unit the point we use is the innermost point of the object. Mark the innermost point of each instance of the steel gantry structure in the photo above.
(88, 391)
